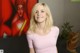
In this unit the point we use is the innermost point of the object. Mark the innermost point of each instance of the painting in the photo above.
(15, 17)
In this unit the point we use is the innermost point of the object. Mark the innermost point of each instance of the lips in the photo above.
(39, 17)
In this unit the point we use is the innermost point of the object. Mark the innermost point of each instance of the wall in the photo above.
(56, 7)
(65, 10)
(72, 14)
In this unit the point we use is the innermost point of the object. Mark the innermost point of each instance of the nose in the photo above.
(38, 14)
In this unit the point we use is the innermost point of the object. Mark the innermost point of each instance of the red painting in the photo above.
(15, 17)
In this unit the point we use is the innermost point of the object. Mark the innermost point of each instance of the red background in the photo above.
(7, 13)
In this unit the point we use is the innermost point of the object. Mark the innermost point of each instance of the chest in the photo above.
(19, 24)
(44, 41)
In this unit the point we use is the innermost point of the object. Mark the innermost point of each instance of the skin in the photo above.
(40, 14)
(40, 17)
(20, 10)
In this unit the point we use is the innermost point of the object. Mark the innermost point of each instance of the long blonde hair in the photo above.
(49, 20)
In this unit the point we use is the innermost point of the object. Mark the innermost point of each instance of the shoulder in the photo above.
(56, 28)
(29, 34)
(15, 18)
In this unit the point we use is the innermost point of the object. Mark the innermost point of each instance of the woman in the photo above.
(20, 22)
(42, 35)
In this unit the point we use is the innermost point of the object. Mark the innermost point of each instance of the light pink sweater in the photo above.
(45, 43)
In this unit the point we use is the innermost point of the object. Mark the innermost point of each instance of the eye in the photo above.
(21, 8)
(36, 12)
(42, 11)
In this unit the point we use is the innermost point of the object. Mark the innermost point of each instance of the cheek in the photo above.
(35, 16)
(44, 15)
(20, 11)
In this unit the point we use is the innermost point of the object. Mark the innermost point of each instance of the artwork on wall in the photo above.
(15, 16)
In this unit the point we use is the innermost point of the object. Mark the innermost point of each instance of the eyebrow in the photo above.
(41, 9)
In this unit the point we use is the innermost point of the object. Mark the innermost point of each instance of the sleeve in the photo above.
(56, 32)
(29, 38)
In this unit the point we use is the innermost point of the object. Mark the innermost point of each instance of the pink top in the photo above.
(45, 43)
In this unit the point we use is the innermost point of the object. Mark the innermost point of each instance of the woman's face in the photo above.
(20, 10)
(40, 14)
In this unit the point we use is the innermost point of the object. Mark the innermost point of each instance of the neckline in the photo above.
(43, 35)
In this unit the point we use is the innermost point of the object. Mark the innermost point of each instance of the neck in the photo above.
(41, 25)
(21, 18)
(41, 28)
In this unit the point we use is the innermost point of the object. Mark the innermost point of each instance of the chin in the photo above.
(20, 15)
(40, 21)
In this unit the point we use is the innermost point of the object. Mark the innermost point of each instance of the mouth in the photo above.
(39, 17)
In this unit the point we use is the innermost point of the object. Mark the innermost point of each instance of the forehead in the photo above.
(20, 6)
(40, 7)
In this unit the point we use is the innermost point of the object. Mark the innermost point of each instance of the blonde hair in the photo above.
(49, 20)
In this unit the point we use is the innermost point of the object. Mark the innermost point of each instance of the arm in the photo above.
(32, 50)
(30, 43)
(57, 34)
